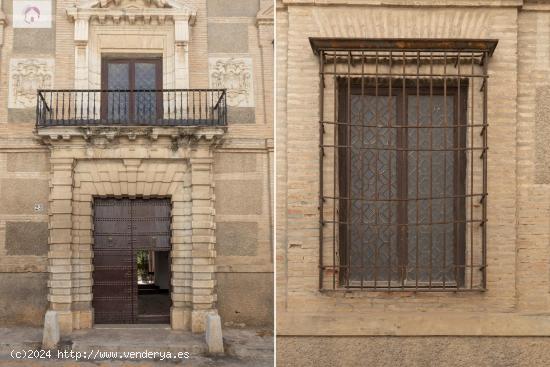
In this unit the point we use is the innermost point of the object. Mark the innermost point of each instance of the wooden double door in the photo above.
(122, 227)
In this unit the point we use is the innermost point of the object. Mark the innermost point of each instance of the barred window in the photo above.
(403, 161)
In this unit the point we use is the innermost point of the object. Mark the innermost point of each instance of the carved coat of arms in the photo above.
(27, 76)
(234, 74)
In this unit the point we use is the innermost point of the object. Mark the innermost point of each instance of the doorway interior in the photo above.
(153, 284)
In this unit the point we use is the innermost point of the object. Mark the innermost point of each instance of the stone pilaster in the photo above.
(203, 236)
(181, 52)
(265, 23)
(81, 36)
(60, 280)
(182, 247)
(82, 263)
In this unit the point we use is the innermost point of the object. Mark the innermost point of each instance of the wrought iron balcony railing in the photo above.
(166, 107)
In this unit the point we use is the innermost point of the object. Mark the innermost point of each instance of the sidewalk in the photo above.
(244, 347)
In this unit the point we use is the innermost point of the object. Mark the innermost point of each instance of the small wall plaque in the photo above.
(32, 14)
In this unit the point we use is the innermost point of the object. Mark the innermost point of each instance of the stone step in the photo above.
(137, 339)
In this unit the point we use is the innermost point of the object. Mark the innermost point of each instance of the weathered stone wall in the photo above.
(24, 298)
(246, 299)
(243, 247)
(24, 193)
(516, 302)
(238, 36)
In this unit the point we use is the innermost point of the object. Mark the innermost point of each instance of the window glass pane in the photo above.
(430, 188)
(373, 230)
(146, 79)
(118, 78)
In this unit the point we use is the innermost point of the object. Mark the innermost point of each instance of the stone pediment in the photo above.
(133, 4)
(131, 10)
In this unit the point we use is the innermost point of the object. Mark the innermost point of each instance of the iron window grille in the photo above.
(403, 163)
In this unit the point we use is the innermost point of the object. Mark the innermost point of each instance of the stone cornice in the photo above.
(131, 12)
(133, 7)
(102, 135)
(117, 15)
(526, 5)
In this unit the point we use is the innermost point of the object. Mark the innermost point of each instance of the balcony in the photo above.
(157, 108)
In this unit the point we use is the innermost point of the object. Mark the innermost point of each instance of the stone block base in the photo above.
(65, 321)
(180, 318)
(83, 319)
(198, 320)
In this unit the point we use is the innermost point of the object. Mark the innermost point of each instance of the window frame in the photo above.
(131, 61)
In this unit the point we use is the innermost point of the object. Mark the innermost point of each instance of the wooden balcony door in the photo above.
(131, 91)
